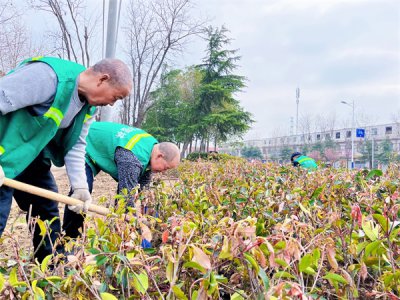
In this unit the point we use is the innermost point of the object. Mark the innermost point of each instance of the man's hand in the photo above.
(1, 176)
(83, 195)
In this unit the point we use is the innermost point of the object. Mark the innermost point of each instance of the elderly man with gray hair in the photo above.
(46, 107)
(130, 155)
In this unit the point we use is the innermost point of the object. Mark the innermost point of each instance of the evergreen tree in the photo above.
(219, 113)
(198, 103)
(252, 152)
(386, 155)
(286, 152)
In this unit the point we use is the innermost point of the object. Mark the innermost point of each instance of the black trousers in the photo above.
(73, 222)
(37, 174)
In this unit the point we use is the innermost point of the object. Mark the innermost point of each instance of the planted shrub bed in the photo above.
(232, 230)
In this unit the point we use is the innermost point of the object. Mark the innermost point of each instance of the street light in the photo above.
(352, 132)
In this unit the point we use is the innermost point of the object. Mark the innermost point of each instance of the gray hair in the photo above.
(120, 75)
(169, 150)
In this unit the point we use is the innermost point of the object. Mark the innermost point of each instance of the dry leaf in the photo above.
(138, 207)
(363, 271)
(72, 258)
(330, 251)
(201, 258)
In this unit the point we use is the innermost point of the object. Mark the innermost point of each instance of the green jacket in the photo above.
(23, 136)
(104, 138)
(306, 162)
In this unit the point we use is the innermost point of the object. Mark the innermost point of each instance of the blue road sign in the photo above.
(360, 132)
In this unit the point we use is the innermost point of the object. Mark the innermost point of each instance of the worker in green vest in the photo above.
(130, 155)
(46, 107)
(306, 162)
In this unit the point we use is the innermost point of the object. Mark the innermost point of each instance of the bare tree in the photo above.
(8, 21)
(396, 120)
(8, 11)
(15, 42)
(75, 31)
(364, 119)
(325, 123)
(306, 128)
(396, 117)
(156, 30)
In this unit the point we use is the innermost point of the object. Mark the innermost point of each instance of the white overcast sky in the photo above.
(333, 50)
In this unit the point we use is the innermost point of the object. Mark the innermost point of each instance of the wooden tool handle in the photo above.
(52, 195)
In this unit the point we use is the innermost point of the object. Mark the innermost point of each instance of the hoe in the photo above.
(27, 188)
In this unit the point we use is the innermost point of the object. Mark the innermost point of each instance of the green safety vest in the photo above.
(306, 162)
(104, 138)
(23, 136)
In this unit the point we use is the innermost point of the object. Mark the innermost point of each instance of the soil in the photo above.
(17, 229)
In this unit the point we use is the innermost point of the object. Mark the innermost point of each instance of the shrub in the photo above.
(233, 231)
(212, 156)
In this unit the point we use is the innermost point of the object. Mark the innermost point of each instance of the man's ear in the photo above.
(104, 77)
(160, 155)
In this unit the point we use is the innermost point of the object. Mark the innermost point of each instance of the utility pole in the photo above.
(352, 140)
(352, 132)
(111, 42)
(297, 109)
(291, 126)
(373, 146)
(111, 28)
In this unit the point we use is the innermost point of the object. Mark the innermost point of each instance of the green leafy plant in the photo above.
(231, 230)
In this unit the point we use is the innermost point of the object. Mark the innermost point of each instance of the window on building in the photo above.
(388, 130)
(338, 135)
(318, 137)
(327, 136)
(309, 137)
(374, 131)
(348, 133)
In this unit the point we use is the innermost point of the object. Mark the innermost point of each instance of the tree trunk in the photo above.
(202, 145)
(184, 148)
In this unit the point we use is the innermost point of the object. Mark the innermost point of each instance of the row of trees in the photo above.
(197, 105)
(199, 99)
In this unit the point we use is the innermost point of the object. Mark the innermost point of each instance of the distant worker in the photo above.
(306, 162)
(126, 153)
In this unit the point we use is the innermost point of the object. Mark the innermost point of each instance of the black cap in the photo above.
(294, 154)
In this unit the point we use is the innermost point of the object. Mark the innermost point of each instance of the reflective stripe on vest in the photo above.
(87, 117)
(303, 160)
(36, 58)
(132, 142)
(2, 150)
(55, 114)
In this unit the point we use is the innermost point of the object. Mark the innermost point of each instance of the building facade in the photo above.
(335, 145)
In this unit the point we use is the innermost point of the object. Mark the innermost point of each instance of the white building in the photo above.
(273, 148)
